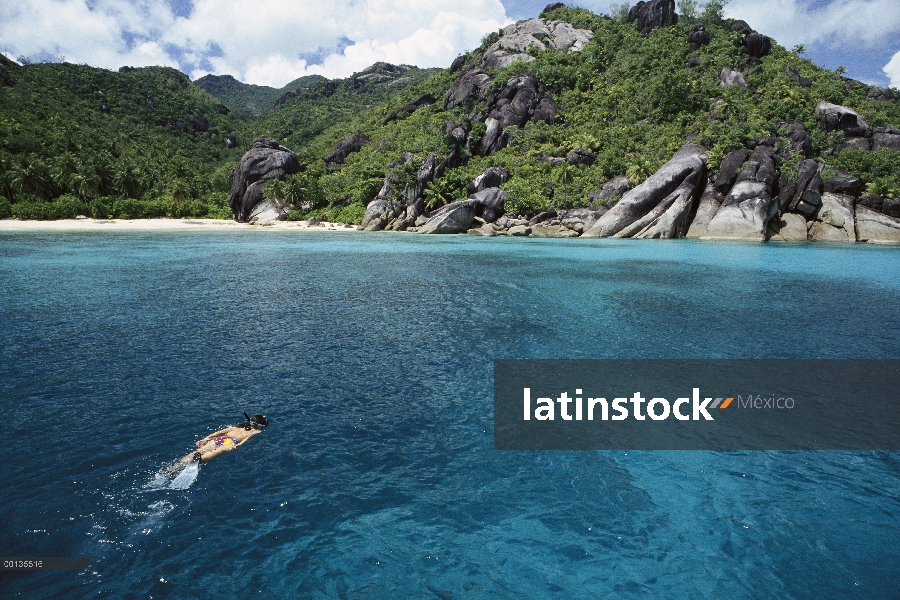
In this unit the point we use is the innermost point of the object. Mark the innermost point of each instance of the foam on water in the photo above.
(187, 476)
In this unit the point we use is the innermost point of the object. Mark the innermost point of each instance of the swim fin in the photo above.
(188, 475)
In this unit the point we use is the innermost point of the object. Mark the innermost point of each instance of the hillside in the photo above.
(247, 99)
(559, 106)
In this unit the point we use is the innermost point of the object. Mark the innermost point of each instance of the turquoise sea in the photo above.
(371, 354)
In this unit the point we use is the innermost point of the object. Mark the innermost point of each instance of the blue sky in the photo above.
(271, 42)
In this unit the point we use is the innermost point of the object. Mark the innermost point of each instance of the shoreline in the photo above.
(166, 224)
(163, 224)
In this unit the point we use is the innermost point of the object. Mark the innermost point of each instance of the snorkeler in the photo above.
(226, 439)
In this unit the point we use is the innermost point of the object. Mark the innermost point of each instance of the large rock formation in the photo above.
(660, 206)
(886, 137)
(746, 210)
(453, 218)
(344, 148)
(833, 117)
(698, 36)
(617, 186)
(883, 94)
(523, 99)
(517, 39)
(411, 107)
(729, 77)
(265, 159)
(874, 227)
(653, 14)
(756, 44)
(709, 206)
(492, 177)
(834, 220)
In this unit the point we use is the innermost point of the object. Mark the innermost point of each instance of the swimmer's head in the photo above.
(256, 421)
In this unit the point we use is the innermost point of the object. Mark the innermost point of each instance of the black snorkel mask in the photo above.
(257, 421)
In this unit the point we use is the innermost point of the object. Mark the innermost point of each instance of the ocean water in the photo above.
(371, 356)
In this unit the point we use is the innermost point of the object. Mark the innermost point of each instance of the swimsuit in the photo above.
(225, 440)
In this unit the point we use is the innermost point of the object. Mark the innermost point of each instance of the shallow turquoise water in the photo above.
(371, 355)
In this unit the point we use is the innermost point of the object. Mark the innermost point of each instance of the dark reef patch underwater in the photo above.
(371, 356)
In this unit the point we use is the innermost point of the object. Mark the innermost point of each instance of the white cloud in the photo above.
(263, 42)
(853, 23)
(71, 29)
(892, 70)
(266, 50)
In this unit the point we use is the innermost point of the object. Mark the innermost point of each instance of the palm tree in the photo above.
(30, 177)
(125, 180)
(438, 193)
(564, 178)
(85, 181)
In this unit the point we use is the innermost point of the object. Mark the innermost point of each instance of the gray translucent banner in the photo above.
(697, 405)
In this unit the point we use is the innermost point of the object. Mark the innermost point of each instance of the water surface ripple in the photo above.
(371, 355)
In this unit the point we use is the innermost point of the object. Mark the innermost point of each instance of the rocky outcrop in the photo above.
(266, 212)
(539, 34)
(758, 45)
(408, 109)
(617, 186)
(581, 156)
(833, 117)
(698, 36)
(580, 220)
(730, 77)
(741, 26)
(489, 203)
(485, 206)
(265, 159)
(804, 194)
(882, 94)
(656, 207)
(492, 177)
(379, 213)
(452, 218)
(801, 81)
(788, 228)
(729, 168)
(845, 184)
(707, 209)
(344, 148)
(874, 227)
(653, 14)
(551, 7)
(427, 173)
(801, 141)
(748, 207)
(471, 86)
(521, 100)
(834, 220)
(886, 137)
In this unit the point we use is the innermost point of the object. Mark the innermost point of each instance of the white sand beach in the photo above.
(84, 224)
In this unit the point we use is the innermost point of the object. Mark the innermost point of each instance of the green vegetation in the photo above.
(156, 149)
(246, 99)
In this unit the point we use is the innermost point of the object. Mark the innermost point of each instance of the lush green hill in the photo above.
(246, 99)
(92, 133)
(630, 99)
